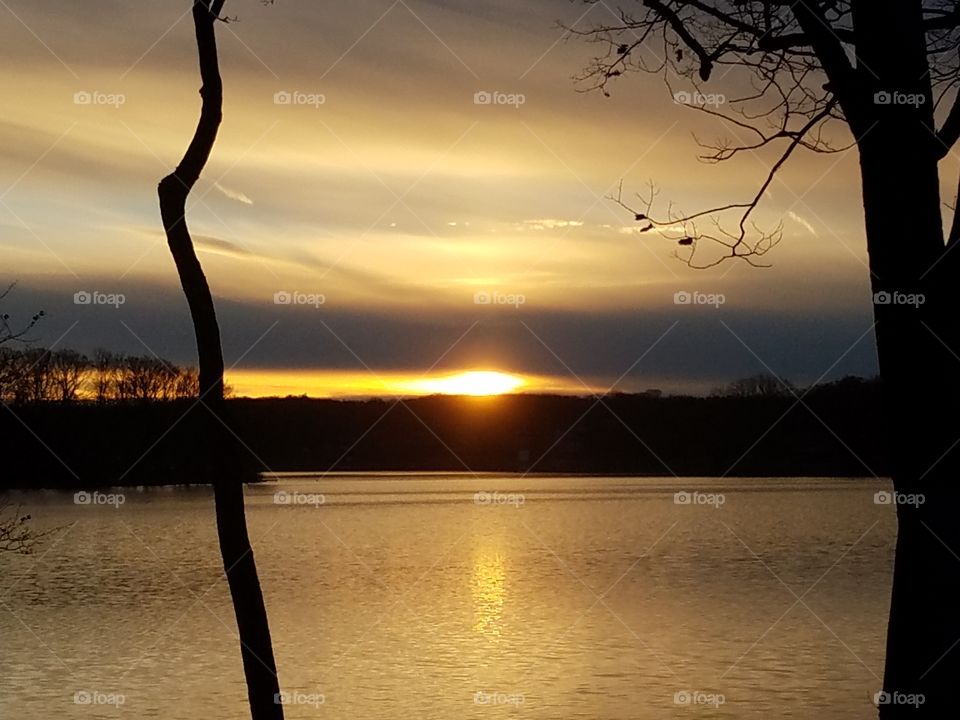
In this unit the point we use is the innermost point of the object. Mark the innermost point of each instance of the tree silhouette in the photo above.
(35, 375)
(8, 333)
(16, 535)
(882, 68)
(255, 643)
(763, 385)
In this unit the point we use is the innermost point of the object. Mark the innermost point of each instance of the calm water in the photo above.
(408, 596)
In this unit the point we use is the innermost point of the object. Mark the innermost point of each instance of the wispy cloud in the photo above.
(550, 224)
(208, 242)
(234, 194)
(802, 222)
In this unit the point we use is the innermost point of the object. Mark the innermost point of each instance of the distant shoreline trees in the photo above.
(763, 385)
(32, 375)
(36, 375)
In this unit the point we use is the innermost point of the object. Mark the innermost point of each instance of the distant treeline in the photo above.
(37, 375)
(835, 429)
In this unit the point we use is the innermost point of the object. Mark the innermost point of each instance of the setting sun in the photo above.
(476, 382)
(364, 384)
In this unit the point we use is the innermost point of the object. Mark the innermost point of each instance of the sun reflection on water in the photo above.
(489, 591)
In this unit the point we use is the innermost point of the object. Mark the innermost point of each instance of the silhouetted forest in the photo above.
(751, 429)
(34, 375)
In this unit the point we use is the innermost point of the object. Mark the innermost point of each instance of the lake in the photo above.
(461, 596)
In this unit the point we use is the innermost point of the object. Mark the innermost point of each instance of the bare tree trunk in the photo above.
(256, 647)
(919, 375)
(918, 352)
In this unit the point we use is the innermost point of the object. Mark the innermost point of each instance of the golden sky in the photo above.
(384, 224)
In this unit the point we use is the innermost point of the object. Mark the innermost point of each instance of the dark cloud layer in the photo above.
(683, 347)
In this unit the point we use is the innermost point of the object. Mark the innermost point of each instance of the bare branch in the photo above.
(7, 332)
(736, 243)
(16, 535)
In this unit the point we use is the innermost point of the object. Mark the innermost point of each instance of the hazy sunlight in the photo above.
(477, 382)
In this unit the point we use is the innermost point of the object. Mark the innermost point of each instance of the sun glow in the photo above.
(366, 384)
(474, 382)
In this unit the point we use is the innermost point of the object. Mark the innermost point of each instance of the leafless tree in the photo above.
(187, 384)
(103, 376)
(16, 534)
(144, 378)
(68, 370)
(35, 382)
(9, 362)
(885, 73)
(255, 643)
(763, 385)
(8, 332)
(35, 375)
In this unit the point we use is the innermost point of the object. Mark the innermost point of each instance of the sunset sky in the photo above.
(389, 206)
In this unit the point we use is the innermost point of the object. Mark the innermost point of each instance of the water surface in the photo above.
(412, 596)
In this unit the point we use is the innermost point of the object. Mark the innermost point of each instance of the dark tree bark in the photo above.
(256, 648)
(918, 354)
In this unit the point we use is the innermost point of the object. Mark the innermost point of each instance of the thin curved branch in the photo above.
(737, 244)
